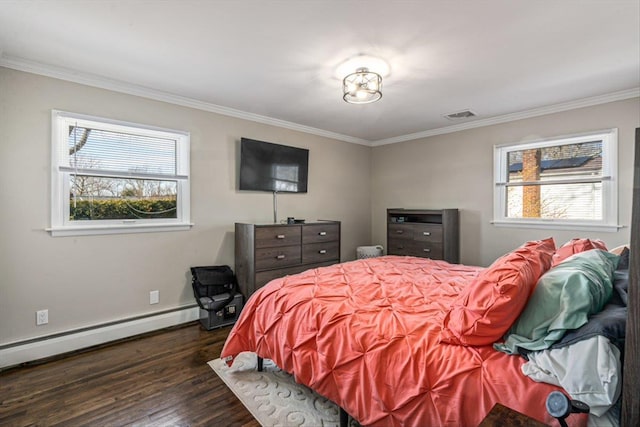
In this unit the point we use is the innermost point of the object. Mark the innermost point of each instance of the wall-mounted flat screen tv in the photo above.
(265, 166)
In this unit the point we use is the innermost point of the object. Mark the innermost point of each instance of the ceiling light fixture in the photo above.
(362, 87)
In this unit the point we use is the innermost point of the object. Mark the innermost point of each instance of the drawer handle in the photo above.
(280, 236)
(401, 247)
(426, 250)
(399, 231)
(322, 251)
(281, 256)
(322, 233)
(426, 233)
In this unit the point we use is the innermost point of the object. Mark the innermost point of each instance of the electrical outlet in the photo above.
(42, 317)
(154, 297)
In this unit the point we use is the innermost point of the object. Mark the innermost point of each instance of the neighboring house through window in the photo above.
(566, 182)
(116, 177)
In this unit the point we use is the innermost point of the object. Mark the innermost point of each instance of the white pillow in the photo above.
(588, 370)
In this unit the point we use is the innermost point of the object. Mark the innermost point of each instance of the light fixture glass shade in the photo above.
(362, 87)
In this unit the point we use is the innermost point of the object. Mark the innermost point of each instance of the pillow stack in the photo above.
(563, 299)
(531, 296)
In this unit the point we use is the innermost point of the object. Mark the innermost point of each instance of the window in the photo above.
(117, 177)
(565, 182)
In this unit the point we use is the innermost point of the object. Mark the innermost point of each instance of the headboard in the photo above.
(631, 380)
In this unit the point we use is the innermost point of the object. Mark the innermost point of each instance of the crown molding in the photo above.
(102, 82)
(550, 109)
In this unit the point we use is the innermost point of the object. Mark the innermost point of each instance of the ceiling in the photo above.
(275, 61)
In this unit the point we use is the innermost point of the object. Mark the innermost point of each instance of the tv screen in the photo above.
(265, 166)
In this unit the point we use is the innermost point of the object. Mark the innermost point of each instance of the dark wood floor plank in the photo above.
(159, 379)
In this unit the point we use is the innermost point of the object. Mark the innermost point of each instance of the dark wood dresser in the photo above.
(427, 233)
(264, 252)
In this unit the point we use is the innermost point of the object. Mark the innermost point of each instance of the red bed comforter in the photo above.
(365, 334)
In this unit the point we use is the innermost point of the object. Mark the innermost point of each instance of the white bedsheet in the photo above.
(588, 370)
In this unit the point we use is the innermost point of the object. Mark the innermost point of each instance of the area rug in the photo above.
(273, 397)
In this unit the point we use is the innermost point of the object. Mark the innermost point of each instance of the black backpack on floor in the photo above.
(213, 286)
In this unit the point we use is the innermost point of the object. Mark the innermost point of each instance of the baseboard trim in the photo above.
(45, 347)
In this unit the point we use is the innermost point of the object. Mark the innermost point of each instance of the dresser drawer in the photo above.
(318, 252)
(427, 232)
(268, 237)
(426, 250)
(275, 257)
(431, 250)
(264, 277)
(320, 233)
(399, 246)
(400, 231)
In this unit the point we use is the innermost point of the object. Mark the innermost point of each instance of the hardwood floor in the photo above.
(160, 379)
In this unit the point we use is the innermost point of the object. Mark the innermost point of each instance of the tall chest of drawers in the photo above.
(264, 252)
(427, 233)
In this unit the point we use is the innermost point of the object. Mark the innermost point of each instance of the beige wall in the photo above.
(91, 280)
(456, 171)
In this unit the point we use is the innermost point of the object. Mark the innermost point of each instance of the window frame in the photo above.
(61, 225)
(609, 180)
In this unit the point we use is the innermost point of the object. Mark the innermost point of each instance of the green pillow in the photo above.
(563, 299)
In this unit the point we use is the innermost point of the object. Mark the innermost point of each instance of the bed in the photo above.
(404, 341)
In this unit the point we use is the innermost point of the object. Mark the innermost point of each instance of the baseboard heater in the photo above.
(34, 349)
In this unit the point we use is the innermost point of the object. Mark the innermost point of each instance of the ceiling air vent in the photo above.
(465, 114)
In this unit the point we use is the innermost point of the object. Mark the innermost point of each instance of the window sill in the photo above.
(115, 229)
(552, 225)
